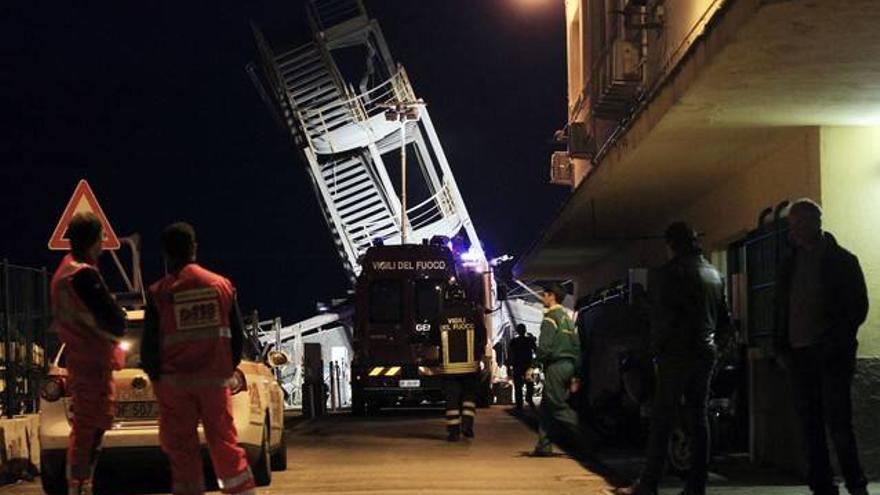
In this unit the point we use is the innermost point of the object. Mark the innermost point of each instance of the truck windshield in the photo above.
(428, 294)
(385, 302)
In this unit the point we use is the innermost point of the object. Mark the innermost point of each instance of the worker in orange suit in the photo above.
(90, 324)
(192, 345)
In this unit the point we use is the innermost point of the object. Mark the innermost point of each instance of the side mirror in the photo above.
(277, 359)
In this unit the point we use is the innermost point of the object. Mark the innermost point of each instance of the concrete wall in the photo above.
(851, 203)
(683, 21)
(731, 209)
(576, 48)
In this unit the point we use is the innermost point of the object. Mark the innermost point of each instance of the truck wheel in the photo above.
(278, 460)
(679, 451)
(263, 468)
(485, 398)
(52, 476)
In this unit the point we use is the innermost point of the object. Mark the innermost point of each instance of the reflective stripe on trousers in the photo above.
(181, 409)
(453, 417)
(242, 483)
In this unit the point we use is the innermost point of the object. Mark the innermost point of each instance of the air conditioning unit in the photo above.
(561, 172)
(580, 143)
(625, 61)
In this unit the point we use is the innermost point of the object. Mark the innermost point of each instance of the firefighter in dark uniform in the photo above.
(462, 345)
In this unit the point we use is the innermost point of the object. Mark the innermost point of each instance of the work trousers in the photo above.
(519, 381)
(822, 378)
(180, 410)
(460, 392)
(557, 421)
(91, 389)
(680, 377)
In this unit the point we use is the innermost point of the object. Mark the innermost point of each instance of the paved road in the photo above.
(401, 453)
(406, 453)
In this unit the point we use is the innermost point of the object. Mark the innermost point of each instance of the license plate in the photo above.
(410, 383)
(137, 410)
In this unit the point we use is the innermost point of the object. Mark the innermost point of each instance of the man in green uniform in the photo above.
(559, 354)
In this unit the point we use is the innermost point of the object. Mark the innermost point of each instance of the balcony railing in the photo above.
(363, 107)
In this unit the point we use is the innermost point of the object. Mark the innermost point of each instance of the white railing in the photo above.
(431, 210)
(363, 107)
(375, 100)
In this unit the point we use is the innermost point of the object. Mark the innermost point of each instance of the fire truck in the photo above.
(398, 301)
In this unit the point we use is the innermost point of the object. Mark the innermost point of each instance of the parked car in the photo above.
(614, 331)
(257, 404)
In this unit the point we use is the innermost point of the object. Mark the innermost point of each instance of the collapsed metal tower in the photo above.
(351, 111)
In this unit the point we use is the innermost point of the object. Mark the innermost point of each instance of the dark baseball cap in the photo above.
(556, 289)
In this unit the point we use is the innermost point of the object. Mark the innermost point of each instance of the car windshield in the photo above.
(428, 294)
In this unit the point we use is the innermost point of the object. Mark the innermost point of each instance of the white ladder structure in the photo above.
(337, 117)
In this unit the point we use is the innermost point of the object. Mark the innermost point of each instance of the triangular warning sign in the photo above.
(83, 199)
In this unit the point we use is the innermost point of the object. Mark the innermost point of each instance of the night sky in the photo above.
(150, 102)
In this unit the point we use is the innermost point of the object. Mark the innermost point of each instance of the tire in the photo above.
(53, 477)
(680, 453)
(485, 398)
(262, 469)
(278, 460)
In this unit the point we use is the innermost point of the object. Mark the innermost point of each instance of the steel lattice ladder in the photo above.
(339, 126)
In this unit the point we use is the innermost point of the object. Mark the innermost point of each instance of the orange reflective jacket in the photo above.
(194, 305)
(87, 344)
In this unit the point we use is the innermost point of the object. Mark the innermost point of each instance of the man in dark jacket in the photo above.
(687, 307)
(821, 302)
(522, 350)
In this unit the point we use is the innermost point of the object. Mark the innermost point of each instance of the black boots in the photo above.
(453, 433)
(467, 426)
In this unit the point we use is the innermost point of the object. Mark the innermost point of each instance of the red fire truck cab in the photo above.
(398, 300)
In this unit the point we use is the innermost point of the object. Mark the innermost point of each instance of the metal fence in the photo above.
(764, 248)
(24, 320)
